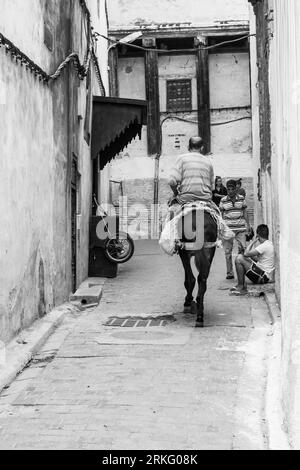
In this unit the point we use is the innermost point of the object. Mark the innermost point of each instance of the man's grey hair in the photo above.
(196, 143)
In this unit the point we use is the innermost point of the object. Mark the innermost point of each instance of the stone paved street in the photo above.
(161, 387)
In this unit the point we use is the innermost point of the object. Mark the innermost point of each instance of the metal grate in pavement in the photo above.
(139, 322)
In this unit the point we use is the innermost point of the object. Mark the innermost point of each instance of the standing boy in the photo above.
(234, 210)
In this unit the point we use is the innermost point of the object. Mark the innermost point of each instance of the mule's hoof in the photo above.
(199, 324)
(187, 309)
(194, 308)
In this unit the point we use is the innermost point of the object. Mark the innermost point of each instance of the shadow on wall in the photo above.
(20, 308)
(42, 302)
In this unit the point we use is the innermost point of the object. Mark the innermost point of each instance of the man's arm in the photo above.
(212, 177)
(246, 217)
(221, 208)
(174, 188)
(175, 176)
(251, 252)
(251, 245)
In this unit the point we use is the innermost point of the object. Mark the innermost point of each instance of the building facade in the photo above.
(276, 151)
(46, 166)
(196, 78)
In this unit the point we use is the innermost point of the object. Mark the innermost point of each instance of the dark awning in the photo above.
(116, 122)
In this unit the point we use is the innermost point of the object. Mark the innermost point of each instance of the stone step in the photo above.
(92, 282)
(88, 295)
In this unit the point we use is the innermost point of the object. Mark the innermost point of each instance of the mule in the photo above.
(203, 260)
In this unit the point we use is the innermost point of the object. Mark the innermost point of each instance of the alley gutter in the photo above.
(278, 438)
(19, 352)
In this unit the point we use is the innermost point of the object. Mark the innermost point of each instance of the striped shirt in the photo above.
(233, 212)
(193, 173)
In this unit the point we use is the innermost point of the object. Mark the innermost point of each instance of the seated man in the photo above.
(257, 262)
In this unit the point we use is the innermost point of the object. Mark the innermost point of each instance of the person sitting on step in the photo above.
(257, 263)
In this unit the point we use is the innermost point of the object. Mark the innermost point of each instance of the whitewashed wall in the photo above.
(122, 12)
(34, 153)
(285, 104)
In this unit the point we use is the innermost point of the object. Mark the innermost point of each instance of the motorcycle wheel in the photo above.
(120, 249)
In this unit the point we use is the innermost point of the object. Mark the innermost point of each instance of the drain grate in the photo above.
(140, 322)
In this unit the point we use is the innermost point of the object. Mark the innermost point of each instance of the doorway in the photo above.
(74, 205)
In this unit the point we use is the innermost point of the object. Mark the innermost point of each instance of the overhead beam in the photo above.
(204, 124)
(113, 58)
(152, 94)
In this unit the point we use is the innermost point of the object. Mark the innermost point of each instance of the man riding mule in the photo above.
(192, 181)
(192, 178)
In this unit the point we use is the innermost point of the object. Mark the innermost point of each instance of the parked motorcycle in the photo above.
(118, 246)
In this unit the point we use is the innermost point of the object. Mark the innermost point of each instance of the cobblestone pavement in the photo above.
(161, 387)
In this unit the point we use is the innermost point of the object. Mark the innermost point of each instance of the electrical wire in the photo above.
(228, 42)
(165, 51)
(178, 118)
(231, 121)
(81, 69)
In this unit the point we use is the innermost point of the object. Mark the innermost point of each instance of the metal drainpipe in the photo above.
(156, 192)
(156, 173)
(156, 182)
(157, 161)
(156, 177)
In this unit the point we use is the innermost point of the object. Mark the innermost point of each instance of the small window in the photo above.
(179, 95)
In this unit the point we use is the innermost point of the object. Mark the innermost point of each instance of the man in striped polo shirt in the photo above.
(234, 211)
(192, 178)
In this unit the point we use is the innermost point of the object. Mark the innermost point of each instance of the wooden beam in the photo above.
(203, 91)
(255, 2)
(263, 62)
(152, 94)
(233, 28)
(113, 59)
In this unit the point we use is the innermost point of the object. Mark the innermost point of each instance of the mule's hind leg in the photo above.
(203, 261)
(190, 280)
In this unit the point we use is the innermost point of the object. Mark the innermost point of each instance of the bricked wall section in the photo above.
(165, 193)
(140, 191)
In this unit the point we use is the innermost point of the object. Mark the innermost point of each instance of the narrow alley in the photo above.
(132, 129)
(163, 386)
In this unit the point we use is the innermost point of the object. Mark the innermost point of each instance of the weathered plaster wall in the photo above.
(173, 67)
(36, 144)
(26, 197)
(229, 76)
(132, 78)
(124, 13)
(80, 146)
(29, 169)
(285, 105)
(229, 72)
(17, 13)
(258, 207)
(98, 10)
